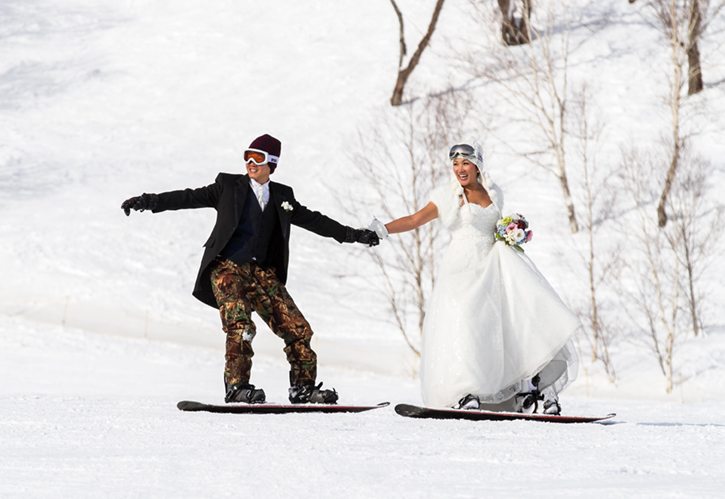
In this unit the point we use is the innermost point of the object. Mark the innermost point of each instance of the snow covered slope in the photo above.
(99, 334)
(84, 416)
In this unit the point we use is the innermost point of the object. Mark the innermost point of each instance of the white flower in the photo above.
(286, 206)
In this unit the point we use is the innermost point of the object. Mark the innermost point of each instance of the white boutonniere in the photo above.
(286, 206)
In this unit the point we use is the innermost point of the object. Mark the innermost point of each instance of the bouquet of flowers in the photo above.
(514, 231)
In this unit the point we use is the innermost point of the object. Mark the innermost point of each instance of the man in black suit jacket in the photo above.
(244, 267)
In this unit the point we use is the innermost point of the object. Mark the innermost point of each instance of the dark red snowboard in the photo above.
(414, 411)
(189, 405)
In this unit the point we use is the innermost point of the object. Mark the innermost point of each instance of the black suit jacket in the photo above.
(227, 195)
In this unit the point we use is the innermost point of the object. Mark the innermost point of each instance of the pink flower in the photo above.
(529, 236)
(511, 227)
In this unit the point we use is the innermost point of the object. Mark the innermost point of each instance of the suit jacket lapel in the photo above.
(241, 190)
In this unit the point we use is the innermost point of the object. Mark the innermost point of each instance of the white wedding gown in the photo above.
(493, 322)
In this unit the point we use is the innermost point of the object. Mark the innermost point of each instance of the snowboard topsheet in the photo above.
(414, 411)
(239, 408)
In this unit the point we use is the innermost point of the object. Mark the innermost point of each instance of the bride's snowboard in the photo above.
(189, 405)
(414, 411)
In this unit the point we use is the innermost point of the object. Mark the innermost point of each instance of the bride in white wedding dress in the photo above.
(496, 334)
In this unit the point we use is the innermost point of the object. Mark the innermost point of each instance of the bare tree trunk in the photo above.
(669, 382)
(515, 31)
(696, 232)
(694, 75)
(395, 306)
(412, 138)
(675, 107)
(593, 187)
(693, 17)
(568, 200)
(401, 34)
(671, 171)
(404, 73)
(560, 132)
(694, 81)
(691, 296)
(661, 295)
(670, 343)
(534, 80)
(600, 345)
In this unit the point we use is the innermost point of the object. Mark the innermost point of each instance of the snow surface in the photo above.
(86, 416)
(100, 337)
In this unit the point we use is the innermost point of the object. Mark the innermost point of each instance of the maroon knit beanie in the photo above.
(271, 146)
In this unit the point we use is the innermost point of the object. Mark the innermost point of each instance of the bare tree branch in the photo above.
(398, 162)
(534, 80)
(404, 73)
(403, 48)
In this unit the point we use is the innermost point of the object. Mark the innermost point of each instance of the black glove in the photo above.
(363, 236)
(140, 203)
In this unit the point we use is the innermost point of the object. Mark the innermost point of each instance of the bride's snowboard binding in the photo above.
(534, 396)
(523, 406)
(525, 402)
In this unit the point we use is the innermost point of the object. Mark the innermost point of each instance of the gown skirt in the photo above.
(493, 322)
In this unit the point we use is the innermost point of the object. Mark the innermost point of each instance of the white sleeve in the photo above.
(439, 197)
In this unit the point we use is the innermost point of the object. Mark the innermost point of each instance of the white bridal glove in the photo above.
(379, 228)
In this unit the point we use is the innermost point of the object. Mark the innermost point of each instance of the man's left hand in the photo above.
(363, 236)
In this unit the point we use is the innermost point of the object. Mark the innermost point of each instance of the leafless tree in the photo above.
(597, 197)
(697, 229)
(666, 295)
(398, 162)
(533, 81)
(653, 295)
(515, 21)
(684, 23)
(404, 72)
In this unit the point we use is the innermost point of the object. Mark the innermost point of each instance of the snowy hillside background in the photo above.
(100, 335)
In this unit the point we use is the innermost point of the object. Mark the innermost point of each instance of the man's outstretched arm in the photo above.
(203, 197)
(316, 222)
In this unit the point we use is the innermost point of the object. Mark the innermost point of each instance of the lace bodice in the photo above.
(475, 221)
(472, 237)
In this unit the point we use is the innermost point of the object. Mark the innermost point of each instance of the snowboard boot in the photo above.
(552, 407)
(551, 401)
(469, 402)
(311, 394)
(244, 392)
(528, 402)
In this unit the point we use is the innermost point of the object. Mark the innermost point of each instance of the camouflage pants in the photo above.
(242, 289)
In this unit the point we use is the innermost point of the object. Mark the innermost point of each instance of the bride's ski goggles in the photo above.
(259, 157)
(462, 151)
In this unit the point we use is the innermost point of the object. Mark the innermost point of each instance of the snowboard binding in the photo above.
(526, 400)
(469, 402)
(244, 392)
(312, 394)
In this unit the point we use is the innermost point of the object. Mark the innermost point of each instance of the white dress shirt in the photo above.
(261, 191)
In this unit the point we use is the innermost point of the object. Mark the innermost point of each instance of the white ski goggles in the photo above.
(259, 157)
(462, 151)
